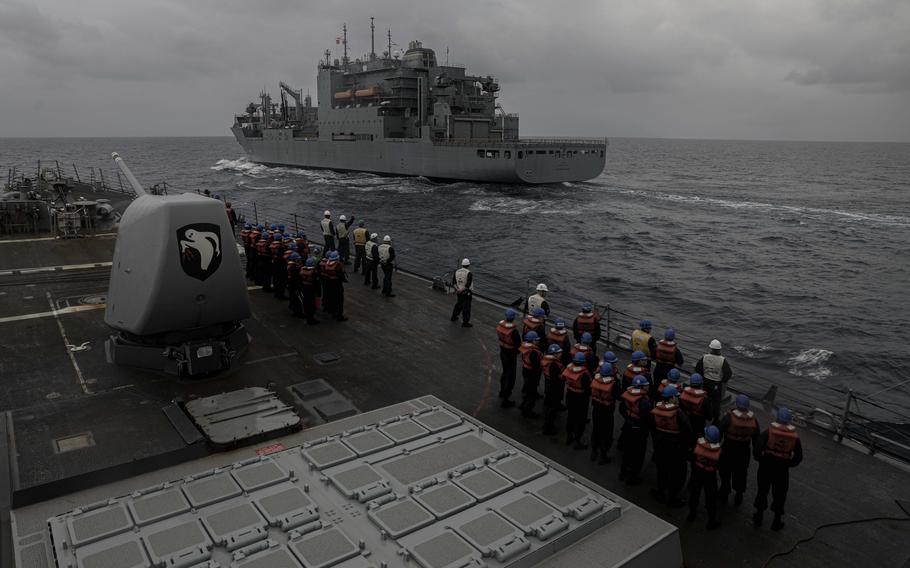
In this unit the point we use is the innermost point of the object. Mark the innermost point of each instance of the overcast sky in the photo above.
(746, 69)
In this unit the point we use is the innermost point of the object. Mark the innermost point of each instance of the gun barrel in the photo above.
(137, 187)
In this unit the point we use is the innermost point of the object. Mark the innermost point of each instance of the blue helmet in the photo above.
(696, 380)
(294, 256)
(712, 434)
(669, 392)
(531, 336)
(673, 375)
(292, 246)
(285, 236)
(644, 325)
(554, 348)
(281, 227)
(639, 381)
(247, 226)
(273, 226)
(538, 312)
(579, 358)
(301, 234)
(333, 255)
(606, 369)
(611, 358)
(316, 249)
(260, 227)
(638, 356)
(784, 415)
(670, 334)
(586, 338)
(742, 402)
(310, 261)
(587, 307)
(560, 324)
(510, 314)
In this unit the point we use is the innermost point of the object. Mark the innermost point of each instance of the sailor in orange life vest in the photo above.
(740, 430)
(578, 390)
(584, 347)
(264, 268)
(509, 340)
(309, 288)
(635, 407)
(605, 391)
(672, 379)
(559, 335)
(672, 433)
(694, 403)
(531, 366)
(536, 322)
(245, 234)
(553, 387)
(280, 264)
(252, 259)
(587, 321)
(637, 367)
(667, 356)
(293, 270)
(613, 360)
(642, 341)
(778, 450)
(705, 459)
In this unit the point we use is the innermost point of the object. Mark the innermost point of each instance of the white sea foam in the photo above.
(855, 216)
(810, 363)
(519, 206)
(752, 350)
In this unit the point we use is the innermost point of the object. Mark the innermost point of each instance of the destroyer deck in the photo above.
(58, 387)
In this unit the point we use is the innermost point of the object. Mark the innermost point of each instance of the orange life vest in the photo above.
(666, 351)
(532, 324)
(632, 370)
(632, 397)
(262, 247)
(245, 236)
(602, 390)
(277, 249)
(781, 441)
(527, 349)
(293, 268)
(574, 377)
(692, 401)
(586, 322)
(552, 367)
(664, 384)
(706, 455)
(287, 254)
(254, 236)
(332, 271)
(665, 418)
(505, 331)
(580, 348)
(559, 337)
(308, 275)
(742, 426)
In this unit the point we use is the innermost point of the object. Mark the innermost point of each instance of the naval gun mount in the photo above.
(177, 296)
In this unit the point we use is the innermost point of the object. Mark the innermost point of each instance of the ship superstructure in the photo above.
(407, 114)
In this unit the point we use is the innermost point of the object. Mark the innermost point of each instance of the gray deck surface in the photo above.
(391, 350)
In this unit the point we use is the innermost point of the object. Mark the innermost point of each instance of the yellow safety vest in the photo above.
(640, 341)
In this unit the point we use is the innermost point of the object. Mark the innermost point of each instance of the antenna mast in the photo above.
(372, 40)
(390, 43)
(344, 42)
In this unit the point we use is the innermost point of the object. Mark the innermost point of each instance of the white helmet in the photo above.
(327, 213)
(466, 262)
(342, 218)
(715, 344)
(374, 236)
(386, 239)
(542, 287)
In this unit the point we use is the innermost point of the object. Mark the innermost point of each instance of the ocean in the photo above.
(793, 254)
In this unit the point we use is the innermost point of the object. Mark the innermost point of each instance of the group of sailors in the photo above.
(310, 273)
(683, 419)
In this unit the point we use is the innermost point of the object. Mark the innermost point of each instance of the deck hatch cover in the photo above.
(401, 517)
(125, 555)
(274, 558)
(534, 517)
(403, 431)
(186, 540)
(329, 454)
(570, 499)
(445, 550)
(286, 503)
(211, 489)
(368, 442)
(494, 536)
(259, 475)
(157, 506)
(519, 469)
(444, 500)
(97, 525)
(324, 548)
(437, 420)
(483, 483)
(438, 458)
(236, 519)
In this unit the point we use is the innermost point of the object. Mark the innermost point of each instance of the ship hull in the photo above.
(514, 163)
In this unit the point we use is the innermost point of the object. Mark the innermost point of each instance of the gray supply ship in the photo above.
(407, 114)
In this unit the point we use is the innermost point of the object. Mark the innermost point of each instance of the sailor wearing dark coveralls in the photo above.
(740, 430)
(509, 341)
(577, 378)
(635, 407)
(605, 392)
(553, 387)
(778, 449)
(672, 433)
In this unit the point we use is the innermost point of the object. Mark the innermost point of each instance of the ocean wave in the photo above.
(810, 363)
(855, 216)
(519, 206)
(752, 350)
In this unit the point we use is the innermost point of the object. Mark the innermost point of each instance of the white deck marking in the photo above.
(60, 312)
(66, 343)
(38, 239)
(19, 271)
(272, 358)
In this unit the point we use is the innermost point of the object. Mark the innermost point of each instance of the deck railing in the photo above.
(522, 142)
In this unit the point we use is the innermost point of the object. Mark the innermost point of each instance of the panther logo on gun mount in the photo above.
(200, 249)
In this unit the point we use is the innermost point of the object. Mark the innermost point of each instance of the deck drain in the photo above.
(75, 442)
(326, 358)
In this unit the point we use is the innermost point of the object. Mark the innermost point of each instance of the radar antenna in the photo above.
(372, 39)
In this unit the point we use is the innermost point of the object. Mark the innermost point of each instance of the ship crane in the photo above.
(298, 99)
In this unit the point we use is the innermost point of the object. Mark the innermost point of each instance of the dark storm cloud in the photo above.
(701, 68)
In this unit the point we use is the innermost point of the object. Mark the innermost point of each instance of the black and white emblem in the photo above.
(200, 249)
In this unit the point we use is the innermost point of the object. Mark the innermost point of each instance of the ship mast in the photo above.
(344, 42)
(390, 43)
(372, 40)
